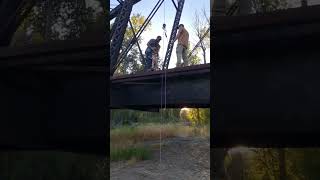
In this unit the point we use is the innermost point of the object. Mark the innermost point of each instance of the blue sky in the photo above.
(166, 14)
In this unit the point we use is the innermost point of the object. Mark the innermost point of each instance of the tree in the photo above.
(219, 169)
(61, 20)
(307, 162)
(236, 168)
(276, 164)
(263, 6)
(282, 164)
(133, 61)
(12, 15)
(197, 116)
(265, 162)
(200, 27)
(193, 59)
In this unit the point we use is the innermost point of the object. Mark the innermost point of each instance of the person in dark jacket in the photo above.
(153, 46)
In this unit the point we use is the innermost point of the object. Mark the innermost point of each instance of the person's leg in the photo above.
(154, 61)
(179, 55)
(184, 57)
(149, 63)
(148, 60)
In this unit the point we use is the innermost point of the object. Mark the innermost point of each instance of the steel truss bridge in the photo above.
(127, 91)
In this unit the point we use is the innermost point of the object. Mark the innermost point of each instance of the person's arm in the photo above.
(157, 48)
(150, 44)
(178, 35)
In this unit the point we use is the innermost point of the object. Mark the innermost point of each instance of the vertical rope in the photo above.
(165, 71)
(163, 78)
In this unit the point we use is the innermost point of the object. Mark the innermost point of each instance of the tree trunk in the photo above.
(282, 164)
(198, 114)
(219, 171)
(204, 54)
(236, 169)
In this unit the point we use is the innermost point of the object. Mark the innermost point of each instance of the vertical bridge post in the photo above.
(121, 23)
(173, 34)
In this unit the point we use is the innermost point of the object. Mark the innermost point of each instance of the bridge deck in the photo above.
(187, 86)
(155, 75)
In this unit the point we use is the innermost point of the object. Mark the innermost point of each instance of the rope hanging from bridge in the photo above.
(163, 87)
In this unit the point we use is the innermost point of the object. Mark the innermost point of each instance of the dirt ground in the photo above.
(181, 159)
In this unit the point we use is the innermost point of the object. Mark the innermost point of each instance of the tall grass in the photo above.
(152, 132)
(127, 142)
(137, 153)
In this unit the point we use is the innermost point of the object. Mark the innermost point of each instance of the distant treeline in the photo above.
(130, 117)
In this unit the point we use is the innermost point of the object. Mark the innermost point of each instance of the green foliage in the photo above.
(198, 116)
(194, 58)
(37, 38)
(264, 163)
(307, 162)
(138, 153)
(137, 20)
(58, 20)
(19, 38)
(127, 142)
(133, 62)
(129, 117)
(262, 6)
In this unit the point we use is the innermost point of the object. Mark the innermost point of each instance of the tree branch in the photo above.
(12, 15)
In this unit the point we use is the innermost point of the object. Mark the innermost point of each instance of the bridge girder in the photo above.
(185, 87)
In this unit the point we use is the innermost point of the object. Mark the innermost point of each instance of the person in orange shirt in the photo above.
(183, 43)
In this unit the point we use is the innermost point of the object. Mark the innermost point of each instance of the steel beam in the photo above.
(188, 86)
(141, 29)
(115, 11)
(136, 39)
(121, 23)
(233, 8)
(173, 34)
